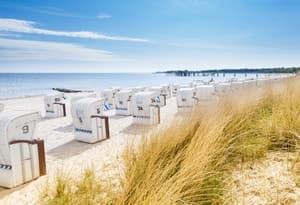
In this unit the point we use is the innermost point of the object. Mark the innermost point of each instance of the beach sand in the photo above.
(64, 154)
(267, 181)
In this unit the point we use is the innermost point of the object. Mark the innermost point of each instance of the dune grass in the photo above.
(190, 161)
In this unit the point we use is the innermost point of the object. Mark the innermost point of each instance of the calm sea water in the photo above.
(29, 84)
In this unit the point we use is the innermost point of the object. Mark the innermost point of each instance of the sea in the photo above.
(14, 85)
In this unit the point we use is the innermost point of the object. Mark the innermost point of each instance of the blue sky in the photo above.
(147, 35)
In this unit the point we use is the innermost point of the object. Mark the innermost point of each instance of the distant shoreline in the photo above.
(233, 71)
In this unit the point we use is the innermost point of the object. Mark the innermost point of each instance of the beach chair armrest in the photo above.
(99, 116)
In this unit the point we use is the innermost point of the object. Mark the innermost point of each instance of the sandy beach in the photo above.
(64, 154)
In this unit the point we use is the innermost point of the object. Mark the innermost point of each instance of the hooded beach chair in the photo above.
(186, 99)
(22, 155)
(161, 99)
(89, 123)
(167, 90)
(54, 105)
(109, 98)
(146, 108)
(204, 93)
(123, 102)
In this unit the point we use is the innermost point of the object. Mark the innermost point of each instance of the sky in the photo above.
(147, 35)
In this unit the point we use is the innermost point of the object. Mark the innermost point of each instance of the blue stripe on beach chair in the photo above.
(140, 116)
(82, 130)
(107, 107)
(5, 166)
(157, 99)
(119, 108)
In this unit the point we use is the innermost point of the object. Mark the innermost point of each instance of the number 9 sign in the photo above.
(25, 129)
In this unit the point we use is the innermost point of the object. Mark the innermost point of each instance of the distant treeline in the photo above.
(242, 70)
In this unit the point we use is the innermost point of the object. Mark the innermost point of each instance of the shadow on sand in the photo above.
(68, 128)
(136, 129)
(72, 148)
(6, 191)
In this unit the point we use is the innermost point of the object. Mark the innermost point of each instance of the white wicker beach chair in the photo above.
(174, 89)
(89, 123)
(55, 106)
(146, 108)
(204, 92)
(186, 99)
(22, 155)
(123, 102)
(167, 90)
(109, 97)
(162, 100)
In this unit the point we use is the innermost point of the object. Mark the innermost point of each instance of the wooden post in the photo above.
(158, 113)
(42, 158)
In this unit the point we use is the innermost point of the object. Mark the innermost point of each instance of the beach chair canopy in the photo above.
(51, 99)
(185, 97)
(143, 100)
(108, 95)
(204, 92)
(166, 89)
(83, 109)
(15, 125)
(122, 98)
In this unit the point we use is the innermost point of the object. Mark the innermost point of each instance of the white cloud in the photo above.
(23, 26)
(104, 16)
(12, 35)
(19, 50)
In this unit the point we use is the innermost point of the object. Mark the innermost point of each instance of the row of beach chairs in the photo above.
(22, 153)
